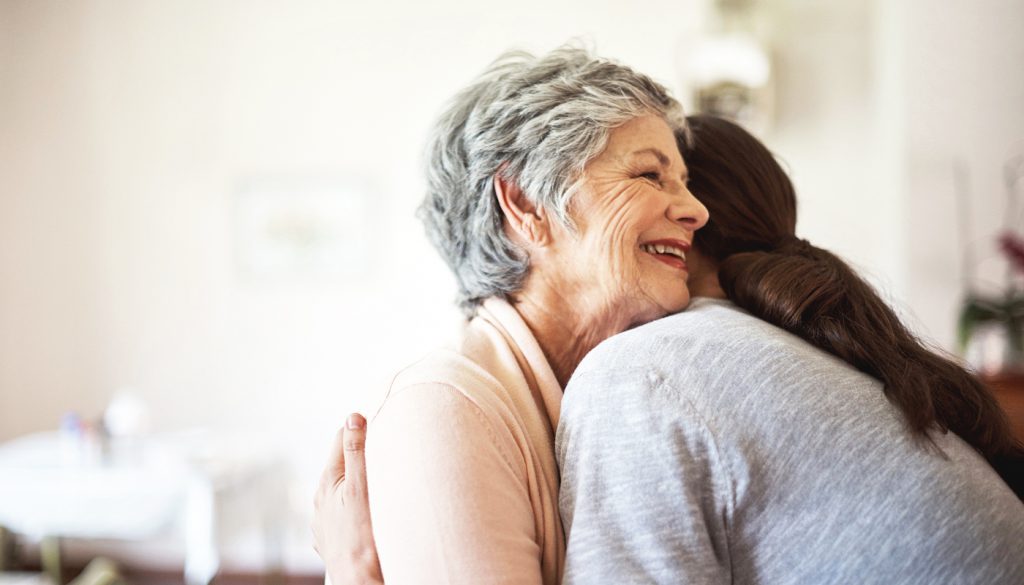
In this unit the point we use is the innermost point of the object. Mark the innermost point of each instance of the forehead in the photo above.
(646, 136)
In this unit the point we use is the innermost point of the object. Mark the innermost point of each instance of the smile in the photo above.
(670, 253)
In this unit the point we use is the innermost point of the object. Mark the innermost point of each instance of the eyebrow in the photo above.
(657, 154)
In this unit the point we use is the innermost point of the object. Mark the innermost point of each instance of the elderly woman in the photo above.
(557, 195)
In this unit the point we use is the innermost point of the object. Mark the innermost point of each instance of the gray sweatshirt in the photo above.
(712, 447)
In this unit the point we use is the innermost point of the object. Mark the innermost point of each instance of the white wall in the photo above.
(963, 105)
(127, 127)
(829, 116)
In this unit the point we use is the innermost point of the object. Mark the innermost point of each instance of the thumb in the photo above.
(355, 455)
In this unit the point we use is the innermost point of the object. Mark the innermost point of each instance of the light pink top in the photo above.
(460, 462)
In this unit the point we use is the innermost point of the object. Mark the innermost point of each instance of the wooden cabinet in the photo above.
(1009, 390)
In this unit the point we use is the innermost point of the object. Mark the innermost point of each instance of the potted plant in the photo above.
(1002, 315)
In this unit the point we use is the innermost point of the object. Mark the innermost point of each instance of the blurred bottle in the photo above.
(70, 439)
(126, 420)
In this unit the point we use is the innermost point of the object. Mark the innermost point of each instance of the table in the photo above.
(140, 489)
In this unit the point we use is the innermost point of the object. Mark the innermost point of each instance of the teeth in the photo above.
(661, 249)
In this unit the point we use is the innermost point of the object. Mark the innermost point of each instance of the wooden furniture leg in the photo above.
(49, 551)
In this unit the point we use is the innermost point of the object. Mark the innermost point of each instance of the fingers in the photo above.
(355, 457)
(334, 471)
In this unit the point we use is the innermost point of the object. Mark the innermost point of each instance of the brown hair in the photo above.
(814, 294)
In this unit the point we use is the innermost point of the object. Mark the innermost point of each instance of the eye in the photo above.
(651, 176)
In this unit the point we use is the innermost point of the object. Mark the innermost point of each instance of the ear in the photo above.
(527, 223)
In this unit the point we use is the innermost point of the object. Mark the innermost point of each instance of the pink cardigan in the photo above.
(460, 462)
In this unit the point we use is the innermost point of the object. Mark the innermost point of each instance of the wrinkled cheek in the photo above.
(615, 247)
(610, 269)
(626, 269)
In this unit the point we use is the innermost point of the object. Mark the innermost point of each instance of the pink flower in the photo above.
(1013, 246)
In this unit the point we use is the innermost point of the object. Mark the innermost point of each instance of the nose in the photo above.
(687, 211)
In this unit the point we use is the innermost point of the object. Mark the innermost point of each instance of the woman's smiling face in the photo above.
(635, 221)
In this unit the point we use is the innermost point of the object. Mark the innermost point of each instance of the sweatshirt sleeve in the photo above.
(643, 497)
(448, 494)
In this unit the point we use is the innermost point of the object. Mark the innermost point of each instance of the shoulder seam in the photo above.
(719, 458)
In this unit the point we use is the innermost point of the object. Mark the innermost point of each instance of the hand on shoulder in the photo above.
(342, 530)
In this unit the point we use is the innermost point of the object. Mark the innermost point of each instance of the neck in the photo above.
(703, 281)
(706, 286)
(566, 329)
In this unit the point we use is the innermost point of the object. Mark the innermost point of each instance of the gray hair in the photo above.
(537, 121)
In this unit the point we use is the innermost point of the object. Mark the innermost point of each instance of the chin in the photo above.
(671, 297)
(677, 304)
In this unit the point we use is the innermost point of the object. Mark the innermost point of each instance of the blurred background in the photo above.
(208, 248)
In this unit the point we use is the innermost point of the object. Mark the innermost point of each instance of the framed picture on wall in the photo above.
(302, 229)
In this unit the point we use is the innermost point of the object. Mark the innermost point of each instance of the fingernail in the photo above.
(355, 422)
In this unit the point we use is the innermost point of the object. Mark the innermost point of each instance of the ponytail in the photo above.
(815, 295)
